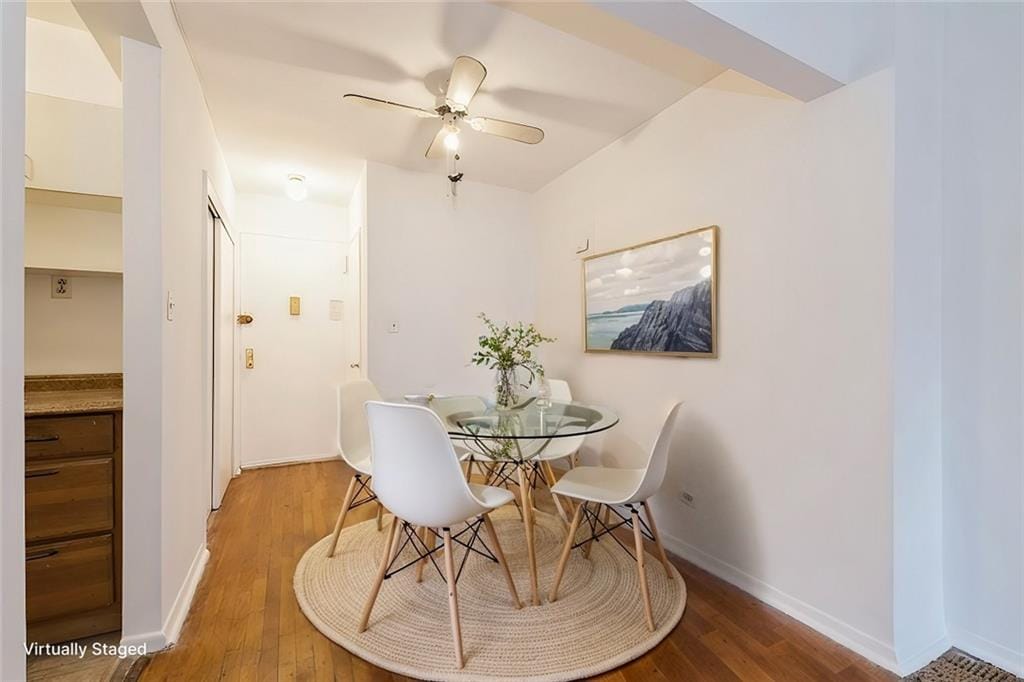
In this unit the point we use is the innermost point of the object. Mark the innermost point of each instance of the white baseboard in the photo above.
(874, 650)
(284, 461)
(928, 654)
(153, 641)
(987, 650)
(156, 641)
(183, 602)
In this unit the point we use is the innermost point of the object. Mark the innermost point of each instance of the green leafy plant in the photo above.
(505, 349)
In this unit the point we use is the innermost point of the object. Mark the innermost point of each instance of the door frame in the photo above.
(215, 204)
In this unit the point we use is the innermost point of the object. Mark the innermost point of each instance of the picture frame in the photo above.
(659, 297)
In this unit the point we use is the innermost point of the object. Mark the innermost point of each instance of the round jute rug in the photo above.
(596, 625)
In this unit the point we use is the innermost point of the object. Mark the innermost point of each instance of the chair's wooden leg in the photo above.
(527, 509)
(453, 597)
(549, 474)
(380, 516)
(638, 537)
(469, 470)
(501, 560)
(657, 540)
(425, 534)
(346, 503)
(384, 561)
(566, 549)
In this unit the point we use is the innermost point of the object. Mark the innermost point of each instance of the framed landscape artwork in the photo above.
(656, 298)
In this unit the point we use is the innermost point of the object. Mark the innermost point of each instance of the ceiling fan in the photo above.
(466, 77)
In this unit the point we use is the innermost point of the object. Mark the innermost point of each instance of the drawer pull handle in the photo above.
(41, 439)
(41, 555)
(41, 473)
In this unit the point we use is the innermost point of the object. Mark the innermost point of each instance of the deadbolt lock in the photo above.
(245, 318)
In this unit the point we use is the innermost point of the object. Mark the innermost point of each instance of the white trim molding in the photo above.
(168, 635)
(285, 461)
(922, 658)
(981, 647)
(859, 642)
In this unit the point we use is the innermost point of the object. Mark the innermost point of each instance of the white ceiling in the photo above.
(274, 74)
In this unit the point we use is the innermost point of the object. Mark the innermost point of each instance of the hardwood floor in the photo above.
(246, 625)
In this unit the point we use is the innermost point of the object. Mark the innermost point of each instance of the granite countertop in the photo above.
(72, 394)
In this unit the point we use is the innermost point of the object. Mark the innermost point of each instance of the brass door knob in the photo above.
(245, 318)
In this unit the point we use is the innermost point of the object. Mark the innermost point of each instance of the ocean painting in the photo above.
(657, 297)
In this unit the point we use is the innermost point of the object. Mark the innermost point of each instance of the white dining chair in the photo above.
(611, 489)
(354, 448)
(417, 476)
(448, 406)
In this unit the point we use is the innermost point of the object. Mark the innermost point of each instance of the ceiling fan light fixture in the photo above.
(296, 187)
(451, 140)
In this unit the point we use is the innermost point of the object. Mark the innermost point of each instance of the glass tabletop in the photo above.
(473, 418)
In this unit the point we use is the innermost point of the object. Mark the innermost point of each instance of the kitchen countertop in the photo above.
(68, 402)
(72, 394)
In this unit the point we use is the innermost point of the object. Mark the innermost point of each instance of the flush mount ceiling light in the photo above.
(296, 188)
(466, 76)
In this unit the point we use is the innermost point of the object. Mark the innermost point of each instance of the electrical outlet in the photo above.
(687, 499)
(60, 286)
(393, 328)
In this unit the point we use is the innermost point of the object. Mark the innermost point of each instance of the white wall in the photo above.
(142, 618)
(919, 620)
(787, 437)
(62, 61)
(74, 146)
(981, 331)
(12, 380)
(432, 268)
(282, 217)
(77, 335)
(64, 238)
(189, 147)
(186, 147)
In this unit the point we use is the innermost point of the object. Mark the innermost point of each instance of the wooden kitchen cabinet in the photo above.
(72, 525)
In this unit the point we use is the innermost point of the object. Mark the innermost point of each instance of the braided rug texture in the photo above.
(954, 666)
(596, 625)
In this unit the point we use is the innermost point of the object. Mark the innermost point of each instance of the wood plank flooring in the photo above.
(246, 625)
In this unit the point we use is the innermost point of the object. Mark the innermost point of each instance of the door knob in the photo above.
(245, 318)
(354, 365)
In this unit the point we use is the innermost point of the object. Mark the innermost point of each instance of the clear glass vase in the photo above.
(506, 387)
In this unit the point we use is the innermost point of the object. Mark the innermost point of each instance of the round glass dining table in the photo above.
(516, 446)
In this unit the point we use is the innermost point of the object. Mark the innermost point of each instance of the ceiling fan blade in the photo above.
(467, 75)
(436, 150)
(513, 131)
(393, 106)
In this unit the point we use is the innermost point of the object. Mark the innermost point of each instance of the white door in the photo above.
(224, 344)
(353, 312)
(288, 396)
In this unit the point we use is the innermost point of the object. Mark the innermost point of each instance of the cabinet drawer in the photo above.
(68, 497)
(88, 434)
(64, 578)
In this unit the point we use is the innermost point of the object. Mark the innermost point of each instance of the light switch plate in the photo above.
(60, 286)
(335, 311)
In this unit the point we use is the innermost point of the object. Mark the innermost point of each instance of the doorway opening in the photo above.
(222, 352)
